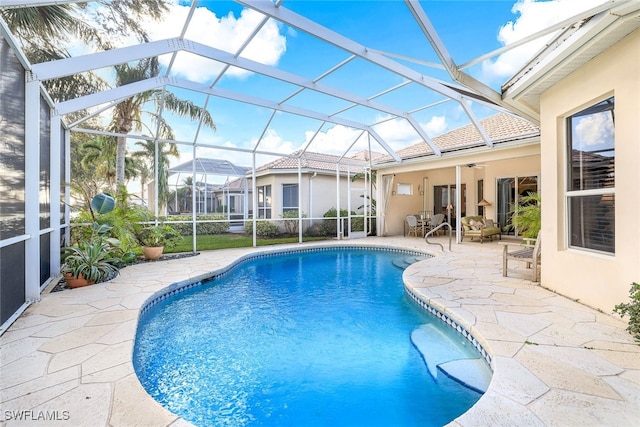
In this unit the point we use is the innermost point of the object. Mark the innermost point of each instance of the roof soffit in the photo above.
(588, 39)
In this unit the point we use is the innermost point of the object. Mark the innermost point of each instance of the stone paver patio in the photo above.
(555, 361)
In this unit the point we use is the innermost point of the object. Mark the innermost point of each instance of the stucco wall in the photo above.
(597, 280)
(322, 187)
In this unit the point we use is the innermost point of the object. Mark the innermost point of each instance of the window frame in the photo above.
(404, 189)
(288, 193)
(265, 205)
(605, 192)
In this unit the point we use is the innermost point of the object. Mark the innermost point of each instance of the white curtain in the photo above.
(387, 188)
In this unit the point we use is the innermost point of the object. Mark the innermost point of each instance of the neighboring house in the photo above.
(498, 172)
(587, 91)
(304, 182)
(210, 198)
(312, 184)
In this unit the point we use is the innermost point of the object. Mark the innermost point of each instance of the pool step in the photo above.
(406, 261)
(441, 354)
(472, 373)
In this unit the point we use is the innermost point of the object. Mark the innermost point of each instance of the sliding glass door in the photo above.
(445, 195)
(510, 190)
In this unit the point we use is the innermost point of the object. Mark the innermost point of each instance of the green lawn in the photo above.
(225, 241)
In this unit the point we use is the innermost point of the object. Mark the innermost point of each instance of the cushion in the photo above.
(476, 225)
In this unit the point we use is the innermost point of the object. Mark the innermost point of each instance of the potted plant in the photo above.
(155, 238)
(89, 263)
(98, 256)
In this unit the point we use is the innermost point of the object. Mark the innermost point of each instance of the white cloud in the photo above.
(274, 143)
(336, 140)
(435, 126)
(533, 16)
(227, 33)
(595, 129)
(397, 133)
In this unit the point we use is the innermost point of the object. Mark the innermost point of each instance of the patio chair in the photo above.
(436, 221)
(412, 222)
(524, 252)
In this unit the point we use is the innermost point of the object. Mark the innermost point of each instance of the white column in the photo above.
(67, 187)
(349, 201)
(255, 199)
(338, 220)
(55, 163)
(32, 189)
(299, 200)
(458, 203)
(193, 199)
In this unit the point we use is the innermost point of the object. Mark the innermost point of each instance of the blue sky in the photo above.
(468, 29)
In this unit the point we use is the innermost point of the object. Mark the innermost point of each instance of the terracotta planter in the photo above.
(152, 252)
(77, 282)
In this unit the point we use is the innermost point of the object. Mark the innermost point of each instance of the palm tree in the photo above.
(44, 31)
(185, 192)
(99, 155)
(130, 114)
(148, 153)
(145, 173)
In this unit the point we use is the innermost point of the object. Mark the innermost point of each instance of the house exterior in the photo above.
(311, 183)
(588, 95)
(498, 173)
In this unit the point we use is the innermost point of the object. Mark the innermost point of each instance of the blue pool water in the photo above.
(319, 338)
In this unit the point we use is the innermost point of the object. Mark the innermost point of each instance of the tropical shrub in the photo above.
(631, 309)
(330, 224)
(263, 228)
(316, 229)
(526, 215)
(202, 228)
(290, 222)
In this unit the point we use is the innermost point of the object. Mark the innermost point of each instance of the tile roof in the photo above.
(315, 161)
(501, 127)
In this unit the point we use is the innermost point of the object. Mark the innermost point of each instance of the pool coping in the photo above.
(75, 346)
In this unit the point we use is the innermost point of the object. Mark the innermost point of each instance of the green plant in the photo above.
(526, 215)
(330, 223)
(157, 235)
(631, 309)
(94, 260)
(290, 222)
(263, 229)
(186, 229)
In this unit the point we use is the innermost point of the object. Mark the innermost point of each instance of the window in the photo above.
(591, 178)
(264, 201)
(289, 197)
(405, 189)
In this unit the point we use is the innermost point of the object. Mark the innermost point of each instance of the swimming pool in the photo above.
(303, 338)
